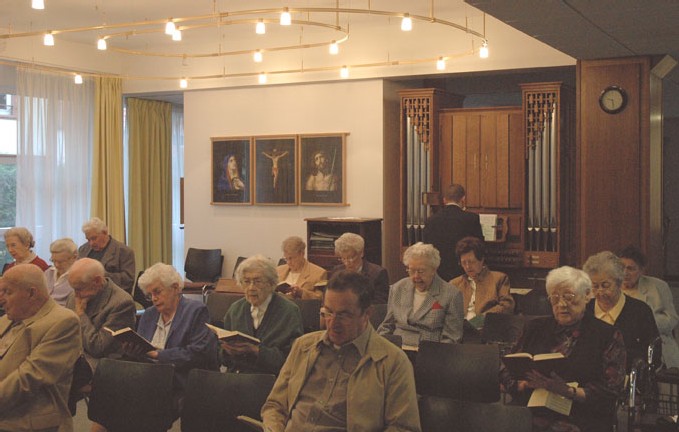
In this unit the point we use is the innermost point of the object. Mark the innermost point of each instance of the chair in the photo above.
(239, 260)
(217, 304)
(311, 313)
(533, 303)
(458, 371)
(203, 266)
(132, 396)
(448, 415)
(213, 400)
(141, 300)
(379, 312)
(502, 329)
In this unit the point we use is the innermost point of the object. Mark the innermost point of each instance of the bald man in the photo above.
(39, 344)
(99, 303)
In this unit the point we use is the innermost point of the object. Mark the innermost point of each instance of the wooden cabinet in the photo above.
(322, 233)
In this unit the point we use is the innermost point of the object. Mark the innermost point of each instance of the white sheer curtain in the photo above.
(53, 156)
(177, 174)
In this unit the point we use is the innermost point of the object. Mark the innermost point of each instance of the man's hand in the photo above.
(81, 305)
(240, 348)
(137, 351)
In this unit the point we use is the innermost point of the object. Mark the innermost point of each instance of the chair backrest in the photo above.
(379, 312)
(311, 314)
(458, 371)
(239, 260)
(503, 328)
(203, 265)
(132, 396)
(449, 415)
(218, 303)
(214, 399)
(533, 303)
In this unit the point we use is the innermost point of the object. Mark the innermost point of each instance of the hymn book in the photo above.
(555, 402)
(130, 336)
(519, 364)
(254, 424)
(232, 336)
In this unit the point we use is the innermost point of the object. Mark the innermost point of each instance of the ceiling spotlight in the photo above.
(48, 40)
(38, 4)
(262, 78)
(334, 48)
(101, 44)
(183, 83)
(258, 56)
(483, 51)
(286, 18)
(177, 35)
(406, 23)
(260, 28)
(78, 79)
(440, 64)
(170, 28)
(344, 72)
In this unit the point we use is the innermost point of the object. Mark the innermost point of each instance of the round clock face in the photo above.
(613, 99)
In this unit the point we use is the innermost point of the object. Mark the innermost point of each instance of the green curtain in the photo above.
(108, 200)
(150, 155)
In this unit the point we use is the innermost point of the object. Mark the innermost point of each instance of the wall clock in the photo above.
(613, 99)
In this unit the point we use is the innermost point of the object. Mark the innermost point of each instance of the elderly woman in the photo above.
(483, 290)
(64, 253)
(632, 317)
(264, 314)
(303, 277)
(423, 306)
(595, 358)
(19, 242)
(175, 325)
(349, 247)
(657, 295)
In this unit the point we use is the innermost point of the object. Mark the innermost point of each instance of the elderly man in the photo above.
(350, 248)
(346, 377)
(39, 344)
(117, 258)
(99, 303)
(303, 277)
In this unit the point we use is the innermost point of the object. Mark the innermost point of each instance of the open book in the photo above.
(131, 336)
(232, 335)
(555, 402)
(254, 424)
(520, 363)
(283, 288)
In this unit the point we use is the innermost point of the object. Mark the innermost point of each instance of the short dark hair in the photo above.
(635, 254)
(355, 282)
(455, 192)
(471, 244)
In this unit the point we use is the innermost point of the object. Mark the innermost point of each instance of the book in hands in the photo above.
(130, 336)
(232, 336)
(519, 364)
(550, 400)
(254, 424)
(283, 288)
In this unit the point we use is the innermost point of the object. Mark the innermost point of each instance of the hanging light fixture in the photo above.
(440, 64)
(101, 44)
(334, 48)
(48, 40)
(344, 72)
(258, 56)
(260, 28)
(78, 79)
(170, 27)
(286, 18)
(483, 51)
(177, 35)
(262, 78)
(38, 4)
(406, 23)
(183, 83)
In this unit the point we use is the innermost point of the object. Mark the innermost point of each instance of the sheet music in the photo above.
(488, 226)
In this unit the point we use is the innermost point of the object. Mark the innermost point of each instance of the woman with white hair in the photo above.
(19, 243)
(595, 358)
(64, 253)
(350, 248)
(423, 306)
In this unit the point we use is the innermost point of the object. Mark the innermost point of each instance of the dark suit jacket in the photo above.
(118, 261)
(637, 325)
(444, 229)
(378, 276)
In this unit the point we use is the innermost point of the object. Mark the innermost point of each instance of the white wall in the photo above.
(348, 106)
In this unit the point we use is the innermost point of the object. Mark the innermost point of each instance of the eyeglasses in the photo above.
(256, 282)
(568, 298)
(349, 259)
(603, 286)
(416, 271)
(340, 316)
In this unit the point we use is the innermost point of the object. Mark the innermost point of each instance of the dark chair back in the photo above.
(533, 303)
(311, 314)
(458, 371)
(203, 265)
(239, 260)
(214, 399)
(502, 328)
(218, 303)
(449, 415)
(379, 312)
(132, 396)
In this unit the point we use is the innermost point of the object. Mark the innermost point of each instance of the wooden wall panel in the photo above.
(502, 155)
(473, 163)
(488, 159)
(516, 160)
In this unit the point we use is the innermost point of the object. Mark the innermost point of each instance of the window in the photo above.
(8, 169)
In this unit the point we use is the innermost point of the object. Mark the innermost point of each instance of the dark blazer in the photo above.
(118, 261)
(190, 344)
(637, 325)
(444, 229)
(378, 276)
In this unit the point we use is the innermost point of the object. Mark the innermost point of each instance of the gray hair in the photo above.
(88, 268)
(571, 277)
(608, 263)
(294, 244)
(23, 234)
(163, 273)
(349, 242)
(422, 251)
(258, 263)
(95, 224)
(65, 244)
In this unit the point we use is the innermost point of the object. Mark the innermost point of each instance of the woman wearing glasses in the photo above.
(595, 355)
(423, 306)
(264, 314)
(350, 247)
